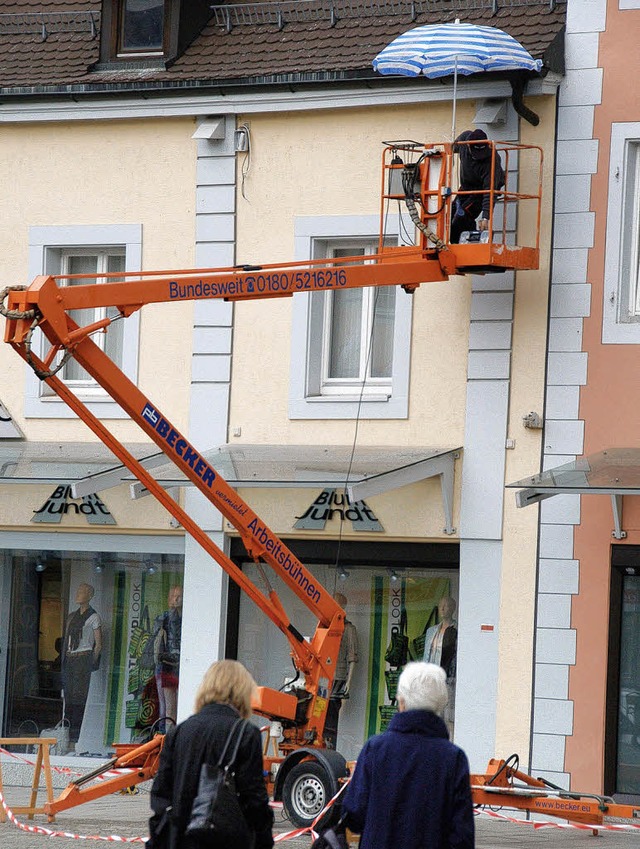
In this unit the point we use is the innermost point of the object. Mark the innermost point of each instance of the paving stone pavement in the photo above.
(126, 816)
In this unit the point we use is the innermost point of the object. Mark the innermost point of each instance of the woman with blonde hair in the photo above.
(223, 696)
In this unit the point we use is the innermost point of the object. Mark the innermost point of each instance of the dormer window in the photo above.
(148, 33)
(140, 26)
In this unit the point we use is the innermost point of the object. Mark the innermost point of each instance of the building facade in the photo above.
(188, 149)
(587, 627)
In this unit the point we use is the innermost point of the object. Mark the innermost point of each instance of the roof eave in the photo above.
(366, 76)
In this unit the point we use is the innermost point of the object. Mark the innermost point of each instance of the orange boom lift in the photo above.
(301, 771)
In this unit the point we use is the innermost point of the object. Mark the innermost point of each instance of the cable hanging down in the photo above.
(409, 176)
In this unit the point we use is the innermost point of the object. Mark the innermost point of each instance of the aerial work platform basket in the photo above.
(422, 181)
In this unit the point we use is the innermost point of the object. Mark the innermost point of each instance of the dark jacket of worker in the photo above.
(475, 172)
(199, 738)
(411, 788)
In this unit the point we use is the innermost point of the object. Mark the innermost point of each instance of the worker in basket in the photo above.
(475, 175)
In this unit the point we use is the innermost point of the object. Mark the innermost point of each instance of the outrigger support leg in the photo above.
(140, 763)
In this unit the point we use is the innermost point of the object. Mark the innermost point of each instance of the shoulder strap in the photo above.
(234, 727)
(239, 737)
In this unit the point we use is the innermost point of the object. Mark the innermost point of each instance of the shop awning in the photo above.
(24, 462)
(367, 470)
(614, 472)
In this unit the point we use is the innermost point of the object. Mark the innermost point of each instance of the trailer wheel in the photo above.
(306, 791)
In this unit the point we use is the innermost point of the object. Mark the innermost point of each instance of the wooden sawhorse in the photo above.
(43, 762)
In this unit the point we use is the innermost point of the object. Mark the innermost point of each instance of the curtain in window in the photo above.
(346, 331)
(114, 339)
(382, 341)
(80, 265)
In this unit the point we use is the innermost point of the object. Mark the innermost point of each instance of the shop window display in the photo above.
(93, 642)
(379, 603)
(628, 749)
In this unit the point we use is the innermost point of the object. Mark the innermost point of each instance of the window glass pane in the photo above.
(374, 600)
(82, 624)
(142, 24)
(80, 265)
(346, 332)
(635, 231)
(114, 338)
(628, 762)
(383, 323)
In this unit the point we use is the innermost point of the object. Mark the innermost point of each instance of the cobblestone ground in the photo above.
(126, 816)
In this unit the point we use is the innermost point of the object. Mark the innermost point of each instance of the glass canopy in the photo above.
(615, 471)
(301, 465)
(58, 462)
(241, 465)
(363, 470)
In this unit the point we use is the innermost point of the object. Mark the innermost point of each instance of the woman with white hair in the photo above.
(411, 787)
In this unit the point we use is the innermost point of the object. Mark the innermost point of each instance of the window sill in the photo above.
(133, 62)
(351, 399)
(85, 397)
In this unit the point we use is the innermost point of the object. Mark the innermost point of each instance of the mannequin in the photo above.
(167, 638)
(345, 666)
(81, 651)
(440, 647)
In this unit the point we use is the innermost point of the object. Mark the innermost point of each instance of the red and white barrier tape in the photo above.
(65, 770)
(310, 829)
(16, 757)
(289, 835)
(550, 824)
(114, 838)
(49, 832)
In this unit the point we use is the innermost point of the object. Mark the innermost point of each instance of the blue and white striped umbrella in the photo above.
(442, 50)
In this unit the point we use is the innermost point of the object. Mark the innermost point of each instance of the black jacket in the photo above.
(476, 174)
(196, 740)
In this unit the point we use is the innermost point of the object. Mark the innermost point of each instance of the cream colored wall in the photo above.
(406, 513)
(517, 603)
(19, 502)
(92, 173)
(313, 177)
(329, 164)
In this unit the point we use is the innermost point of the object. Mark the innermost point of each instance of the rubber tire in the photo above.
(307, 789)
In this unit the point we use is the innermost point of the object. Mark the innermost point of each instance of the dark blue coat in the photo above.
(411, 788)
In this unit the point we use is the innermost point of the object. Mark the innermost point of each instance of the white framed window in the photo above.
(631, 230)
(355, 344)
(96, 261)
(621, 313)
(94, 251)
(356, 330)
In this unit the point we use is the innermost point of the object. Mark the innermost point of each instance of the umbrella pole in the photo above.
(455, 94)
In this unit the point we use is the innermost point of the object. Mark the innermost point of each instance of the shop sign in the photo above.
(336, 504)
(8, 428)
(60, 502)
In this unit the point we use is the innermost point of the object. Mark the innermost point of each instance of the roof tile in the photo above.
(50, 43)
